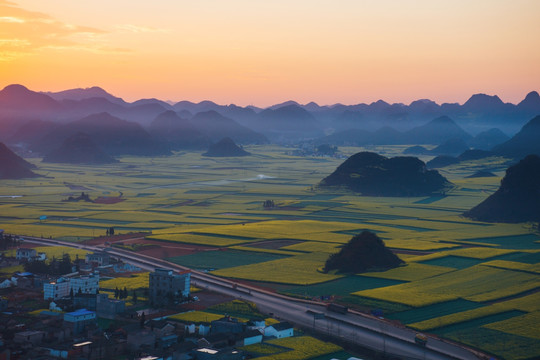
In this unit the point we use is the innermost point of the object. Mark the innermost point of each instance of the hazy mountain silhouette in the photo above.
(177, 132)
(79, 149)
(115, 136)
(451, 147)
(216, 126)
(517, 199)
(531, 103)
(374, 175)
(12, 166)
(525, 142)
(86, 93)
(288, 121)
(225, 148)
(481, 173)
(284, 104)
(18, 98)
(416, 150)
(32, 131)
(365, 251)
(196, 107)
(441, 161)
(481, 102)
(437, 131)
(445, 160)
(486, 140)
(151, 102)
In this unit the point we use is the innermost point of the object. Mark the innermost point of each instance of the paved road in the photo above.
(360, 329)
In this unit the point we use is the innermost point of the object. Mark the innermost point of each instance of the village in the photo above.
(72, 316)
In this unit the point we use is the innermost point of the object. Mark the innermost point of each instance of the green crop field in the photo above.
(458, 272)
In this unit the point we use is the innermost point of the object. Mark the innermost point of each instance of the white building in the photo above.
(26, 254)
(88, 284)
(279, 330)
(56, 289)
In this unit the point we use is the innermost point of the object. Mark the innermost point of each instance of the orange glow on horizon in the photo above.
(262, 53)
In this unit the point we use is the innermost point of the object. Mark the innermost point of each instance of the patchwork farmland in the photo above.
(471, 282)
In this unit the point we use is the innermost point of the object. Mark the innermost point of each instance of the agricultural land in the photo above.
(473, 282)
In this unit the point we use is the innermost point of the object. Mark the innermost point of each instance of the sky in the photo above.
(260, 52)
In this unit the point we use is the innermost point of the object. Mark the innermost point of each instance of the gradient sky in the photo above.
(262, 52)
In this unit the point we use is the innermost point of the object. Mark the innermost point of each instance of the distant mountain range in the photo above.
(525, 142)
(474, 115)
(34, 120)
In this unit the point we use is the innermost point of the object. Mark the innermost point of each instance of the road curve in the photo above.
(354, 327)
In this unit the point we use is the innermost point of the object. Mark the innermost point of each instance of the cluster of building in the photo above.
(72, 327)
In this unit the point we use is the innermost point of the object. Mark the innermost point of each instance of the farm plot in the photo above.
(477, 283)
(301, 347)
(135, 281)
(207, 260)
(300, 269)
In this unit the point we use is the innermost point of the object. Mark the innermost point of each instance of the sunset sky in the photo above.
(263, 52)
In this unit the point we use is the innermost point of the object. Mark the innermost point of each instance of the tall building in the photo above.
(61, 287)
(167, 287)
(87, 284)
(79, 319)
(56, 289)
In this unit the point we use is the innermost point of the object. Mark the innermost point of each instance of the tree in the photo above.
(71, 294)
(116, 293)
(124, 293)
(143, 319)
(134, 296)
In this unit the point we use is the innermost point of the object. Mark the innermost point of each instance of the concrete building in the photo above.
(99, 258)
(87, 284)
(79, 319)
(26, 254)
(32, 337)
(168, 287)
(279, 330)
(56, 289)
(109, 308)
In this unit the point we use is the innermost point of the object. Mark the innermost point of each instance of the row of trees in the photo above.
(55, 267)
(7, 241)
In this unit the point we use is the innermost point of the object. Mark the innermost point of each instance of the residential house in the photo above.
(256, 324)
(32, 337)
(162, 327)
(249, 337)
(86, 284)
(279, 330)
(99, 258)
(27, 254)
(56, 289)
(167, 287)
(79, 319)
(141, 337)
(227, 325)
(25, 280)
(109, 308)
(5, 283)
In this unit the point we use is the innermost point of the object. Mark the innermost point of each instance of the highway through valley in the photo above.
(357, 328)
